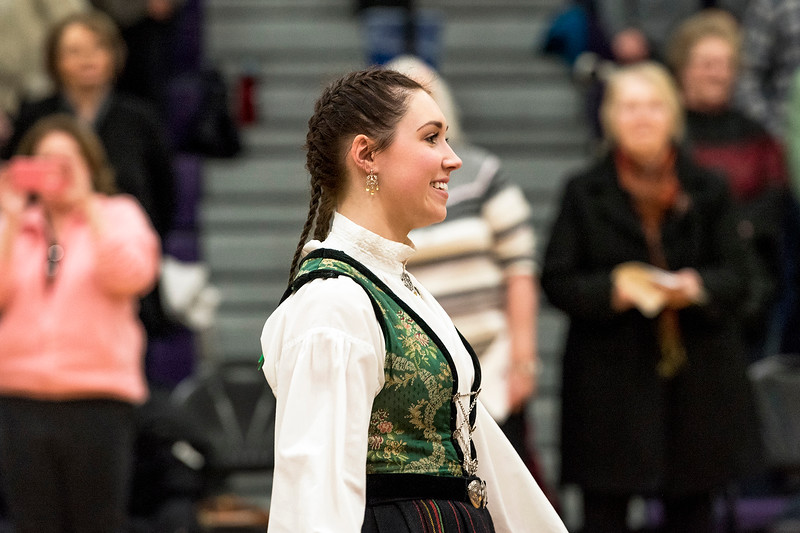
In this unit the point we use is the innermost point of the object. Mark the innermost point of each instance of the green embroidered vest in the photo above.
(413, 421)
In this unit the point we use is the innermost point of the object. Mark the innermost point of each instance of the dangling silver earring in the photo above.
(372, 183)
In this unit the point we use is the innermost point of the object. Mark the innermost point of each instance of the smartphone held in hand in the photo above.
(38, 175)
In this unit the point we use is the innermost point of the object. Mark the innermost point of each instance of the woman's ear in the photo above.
(361, 153)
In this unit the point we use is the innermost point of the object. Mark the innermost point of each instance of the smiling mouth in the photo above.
(441, 185)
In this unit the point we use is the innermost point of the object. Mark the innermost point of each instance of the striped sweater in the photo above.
(465, 260)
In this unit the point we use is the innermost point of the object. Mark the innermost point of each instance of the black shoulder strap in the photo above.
(328, 274)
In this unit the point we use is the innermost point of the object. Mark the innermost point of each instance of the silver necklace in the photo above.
(464, 431)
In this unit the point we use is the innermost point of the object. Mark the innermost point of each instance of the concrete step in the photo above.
(229, 219)
(256, 35)
(283, 105)
(547, 140)
(333, 36)
(252, 27)
(453, 10)
(487, 67)
(222, 10)
(282, 177)
(480, 6)
(246, 306)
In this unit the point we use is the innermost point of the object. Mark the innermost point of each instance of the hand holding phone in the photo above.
(38, 175)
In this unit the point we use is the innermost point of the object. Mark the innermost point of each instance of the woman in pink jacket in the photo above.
(73, 263)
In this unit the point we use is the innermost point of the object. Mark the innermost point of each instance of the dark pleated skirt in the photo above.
(426, 516)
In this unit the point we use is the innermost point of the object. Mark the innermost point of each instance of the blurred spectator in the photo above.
(393, 28)
(479, 264)
(165, 67)
(23, 29)
(627, 31)
(704, 54)
(770, 56)
(644, 259)
(73, 261)
(85, 52)
(397, 15)
(793, 134)
(148, 28)
(791, 333)
(639, 29)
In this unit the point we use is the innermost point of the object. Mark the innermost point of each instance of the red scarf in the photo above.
(655, 190)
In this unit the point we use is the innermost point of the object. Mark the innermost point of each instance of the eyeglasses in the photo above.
(55, 253)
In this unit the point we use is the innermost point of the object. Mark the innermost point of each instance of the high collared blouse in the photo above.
(324, 353)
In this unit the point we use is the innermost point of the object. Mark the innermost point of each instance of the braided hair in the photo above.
(369, 102)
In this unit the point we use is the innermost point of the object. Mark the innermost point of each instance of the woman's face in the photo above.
(414, 170)
(84, 61)
(708, 77)
(641, 120)
(63, 148)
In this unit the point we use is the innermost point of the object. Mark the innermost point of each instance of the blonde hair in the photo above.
(711, 22)
(416, 69)
(659, 78)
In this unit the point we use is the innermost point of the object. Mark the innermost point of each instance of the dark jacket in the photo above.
(753, 163)
(135, 144)
(625, 429)
(138, 153)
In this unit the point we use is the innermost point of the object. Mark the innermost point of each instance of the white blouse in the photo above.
(323, 357)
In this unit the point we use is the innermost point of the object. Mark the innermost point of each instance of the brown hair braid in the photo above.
(369, 102)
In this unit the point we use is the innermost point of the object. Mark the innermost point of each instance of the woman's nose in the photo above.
(451, 160)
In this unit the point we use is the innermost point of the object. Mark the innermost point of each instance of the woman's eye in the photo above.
(432, 138)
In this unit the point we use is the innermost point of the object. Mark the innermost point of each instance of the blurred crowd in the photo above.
(673, 254)
(96, 190)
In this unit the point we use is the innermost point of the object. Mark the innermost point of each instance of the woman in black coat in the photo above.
(644, 259)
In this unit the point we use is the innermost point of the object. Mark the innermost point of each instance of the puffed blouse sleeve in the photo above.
(323, 357)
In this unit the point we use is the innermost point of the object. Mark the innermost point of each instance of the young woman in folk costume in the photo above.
(379, 426)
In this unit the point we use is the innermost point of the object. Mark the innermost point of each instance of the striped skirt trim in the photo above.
(426, 516)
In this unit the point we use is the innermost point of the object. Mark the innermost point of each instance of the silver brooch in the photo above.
(477, 493)
(407, 282)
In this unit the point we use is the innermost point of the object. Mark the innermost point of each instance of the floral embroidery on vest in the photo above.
(412, 421)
